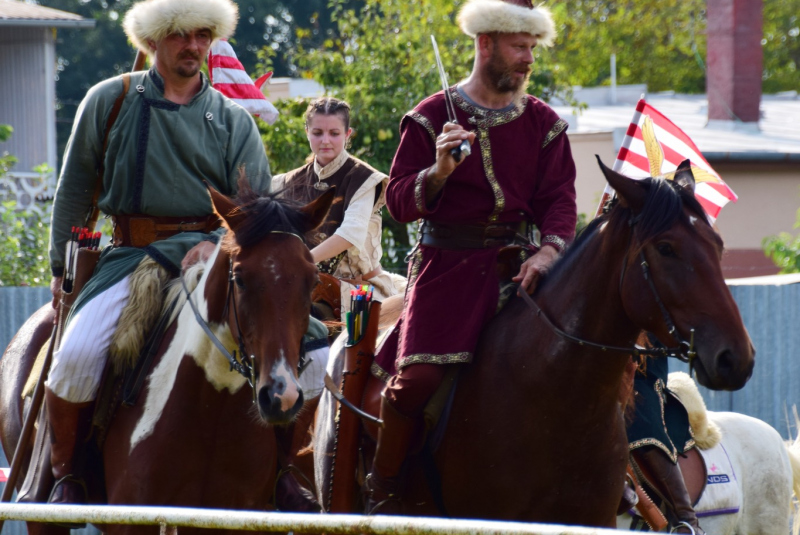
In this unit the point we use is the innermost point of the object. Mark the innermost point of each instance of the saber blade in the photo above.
(464, 149)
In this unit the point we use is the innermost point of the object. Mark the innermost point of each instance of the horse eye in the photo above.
(238, 280)
(665, 249)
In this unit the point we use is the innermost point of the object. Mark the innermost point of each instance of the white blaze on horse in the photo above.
(199, 435)
(752, 493)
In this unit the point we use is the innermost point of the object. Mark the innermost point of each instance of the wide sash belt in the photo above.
(138, 230)
(446, 236)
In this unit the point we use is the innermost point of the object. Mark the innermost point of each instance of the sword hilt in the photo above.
(462, 150)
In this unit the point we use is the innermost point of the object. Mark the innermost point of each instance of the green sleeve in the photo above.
(78, 179)
(247, 152)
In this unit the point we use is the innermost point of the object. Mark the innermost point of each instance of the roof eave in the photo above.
(752, 156)
(48, 23)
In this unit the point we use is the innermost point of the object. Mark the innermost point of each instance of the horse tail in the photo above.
(707, 434)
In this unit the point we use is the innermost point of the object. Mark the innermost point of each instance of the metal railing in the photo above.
(171, 518)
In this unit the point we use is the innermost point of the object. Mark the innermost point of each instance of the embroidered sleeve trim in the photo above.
(555, 241)
(424, 122)
(379, 372)
(419, 191)
(559, 127)
(428, 358)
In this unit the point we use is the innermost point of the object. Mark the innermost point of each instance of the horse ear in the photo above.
(684, 176)
(225, 208)
(317, 210)
(631, 193)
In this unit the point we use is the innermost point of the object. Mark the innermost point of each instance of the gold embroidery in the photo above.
(429, 358)
(423, 122)
(673, 455)
(379, 372)
(559, 127)
(552, 239)
(413, 272)
(485, 119)
(419, 191)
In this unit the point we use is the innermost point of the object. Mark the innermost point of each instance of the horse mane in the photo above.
(662, 207)
(265, 213)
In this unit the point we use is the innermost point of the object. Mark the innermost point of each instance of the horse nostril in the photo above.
(725, 363)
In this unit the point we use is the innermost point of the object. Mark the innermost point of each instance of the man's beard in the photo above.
(501, 75)
(187, 71)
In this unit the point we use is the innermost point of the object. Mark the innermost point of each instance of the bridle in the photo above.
(684, 351)
(243, 363)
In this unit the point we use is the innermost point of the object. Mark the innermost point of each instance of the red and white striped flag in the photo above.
(654, 146)
(229, 78)
(4, 472)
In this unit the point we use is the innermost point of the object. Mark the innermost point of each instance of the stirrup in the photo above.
(682, 524)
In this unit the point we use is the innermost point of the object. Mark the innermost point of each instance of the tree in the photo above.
(781, 46)
(658, 42)
(23, 257)
(784, 249)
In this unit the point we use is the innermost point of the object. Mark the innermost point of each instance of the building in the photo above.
(751, 140)
(28, 86)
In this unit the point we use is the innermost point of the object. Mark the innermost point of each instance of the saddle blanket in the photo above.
(721, 495)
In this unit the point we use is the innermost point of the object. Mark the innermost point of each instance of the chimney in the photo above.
(734, 60)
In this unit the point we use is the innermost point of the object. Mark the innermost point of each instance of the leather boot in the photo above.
(290, 495)
(69, 426)
(394, 441)
(667, 480)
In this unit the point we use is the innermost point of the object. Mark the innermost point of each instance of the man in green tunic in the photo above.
(173, 134)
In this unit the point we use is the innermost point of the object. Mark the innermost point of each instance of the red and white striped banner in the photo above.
(4, 472)
(228, 76)
(654, 146)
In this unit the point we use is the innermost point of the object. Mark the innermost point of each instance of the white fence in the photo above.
(172, 517)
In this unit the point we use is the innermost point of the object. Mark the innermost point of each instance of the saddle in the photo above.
(693, 468)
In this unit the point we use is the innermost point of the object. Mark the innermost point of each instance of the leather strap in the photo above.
(94, 211)
(445, 236)
(139, 230)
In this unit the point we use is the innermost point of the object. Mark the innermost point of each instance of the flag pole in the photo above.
(608, 191)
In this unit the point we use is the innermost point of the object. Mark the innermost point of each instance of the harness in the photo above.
(684, 351)
(244, 363)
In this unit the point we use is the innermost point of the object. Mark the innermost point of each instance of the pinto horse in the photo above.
(535, 431)
(199, 435)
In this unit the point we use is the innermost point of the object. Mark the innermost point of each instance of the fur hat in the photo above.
(156, 19)
(509, 16)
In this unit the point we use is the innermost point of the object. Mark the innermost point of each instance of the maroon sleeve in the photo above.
(554, 203)
(405, 194)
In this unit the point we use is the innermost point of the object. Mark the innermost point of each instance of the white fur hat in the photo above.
(488, 16)
(155, 19)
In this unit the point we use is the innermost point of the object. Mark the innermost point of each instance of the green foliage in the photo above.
(285, 141)
(784, 249)
(781, 46)
(23, 257)
(658, 42)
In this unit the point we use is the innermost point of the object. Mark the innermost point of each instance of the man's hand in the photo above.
(533, 268)
(451, 137)
(199, 253)
(55, 289)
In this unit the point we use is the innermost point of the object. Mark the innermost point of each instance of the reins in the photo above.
(244, 364)
(684, 351)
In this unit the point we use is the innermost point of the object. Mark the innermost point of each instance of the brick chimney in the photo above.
(734, 60)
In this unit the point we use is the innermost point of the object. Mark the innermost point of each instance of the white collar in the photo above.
(333, 166)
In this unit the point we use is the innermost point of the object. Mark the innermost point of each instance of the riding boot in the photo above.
(69, 428)
(668, 483)
(290, 495)
(394, 441)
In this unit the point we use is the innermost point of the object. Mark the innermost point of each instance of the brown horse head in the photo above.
(268, 301)
(673, 259)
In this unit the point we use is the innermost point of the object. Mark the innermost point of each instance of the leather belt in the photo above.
(445, 236)
(139, 230)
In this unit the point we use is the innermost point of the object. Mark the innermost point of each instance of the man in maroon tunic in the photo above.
(520, 170)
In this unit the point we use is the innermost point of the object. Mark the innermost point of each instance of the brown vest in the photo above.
(299, 185)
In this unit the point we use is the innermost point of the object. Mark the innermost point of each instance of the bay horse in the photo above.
(199, 435)
(536, 432)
